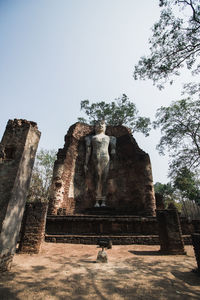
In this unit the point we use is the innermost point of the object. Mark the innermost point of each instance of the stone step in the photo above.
(116, 239)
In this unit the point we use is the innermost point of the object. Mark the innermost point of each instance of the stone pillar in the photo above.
(159, 201)
(17, 153)
(33, 227)
(170, 234)
(196, 246)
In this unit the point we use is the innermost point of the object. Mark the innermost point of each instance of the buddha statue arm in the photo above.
(113, 141)
(88, 152)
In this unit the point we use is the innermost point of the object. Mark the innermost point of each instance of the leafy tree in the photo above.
(41, 175)
(180, 129)
(186, 182)
(166, 190)
(183, 191)
(118, 112)
(175, 42)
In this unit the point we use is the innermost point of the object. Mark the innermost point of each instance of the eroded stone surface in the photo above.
(33, 227)
(102, 257)
(170, 233)
(17, 154)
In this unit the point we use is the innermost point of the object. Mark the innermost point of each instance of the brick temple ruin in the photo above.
(130, 212)
(128, 217)
(129, 184)
(130, 193)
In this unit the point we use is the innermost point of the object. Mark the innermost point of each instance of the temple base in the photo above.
(100, 210)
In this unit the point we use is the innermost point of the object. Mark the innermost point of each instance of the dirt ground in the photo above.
(67, 271)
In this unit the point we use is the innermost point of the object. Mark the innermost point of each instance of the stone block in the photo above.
(102, 257)
(196, 246)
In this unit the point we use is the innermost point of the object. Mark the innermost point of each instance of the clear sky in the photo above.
(55, 53)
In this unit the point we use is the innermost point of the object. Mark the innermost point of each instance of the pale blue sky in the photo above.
(55, 53)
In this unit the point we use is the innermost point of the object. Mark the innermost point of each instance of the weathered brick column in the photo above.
(17, 153)
(33, 227)
(196, 246)
(170, 234)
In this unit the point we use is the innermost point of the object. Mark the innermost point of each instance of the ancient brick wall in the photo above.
(170, 233)
(159, 201)
(114, 225)
(33, 227)
(97, 225)
(17, 153)
(61, 197)
(116, 240)
(129, 184)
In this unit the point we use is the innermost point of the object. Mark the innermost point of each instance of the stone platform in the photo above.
(93, 239)
(101, 211)
(116, 239)
(122, 230)
(101, 225)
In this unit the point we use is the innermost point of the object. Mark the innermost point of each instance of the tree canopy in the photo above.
(121, 111)
(180, 133)
(166, 190)
(175, 42)
(183, 191)
(42, 175)
(188, 185)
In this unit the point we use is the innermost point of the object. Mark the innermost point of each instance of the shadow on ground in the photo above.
(60, 277)
(154, 253)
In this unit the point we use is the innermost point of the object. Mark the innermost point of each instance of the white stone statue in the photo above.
(98, 145)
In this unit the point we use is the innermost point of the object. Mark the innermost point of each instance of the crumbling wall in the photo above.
(170, 233)
(129, 185)
(62, 198)
(33, 227)
(17, 153)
